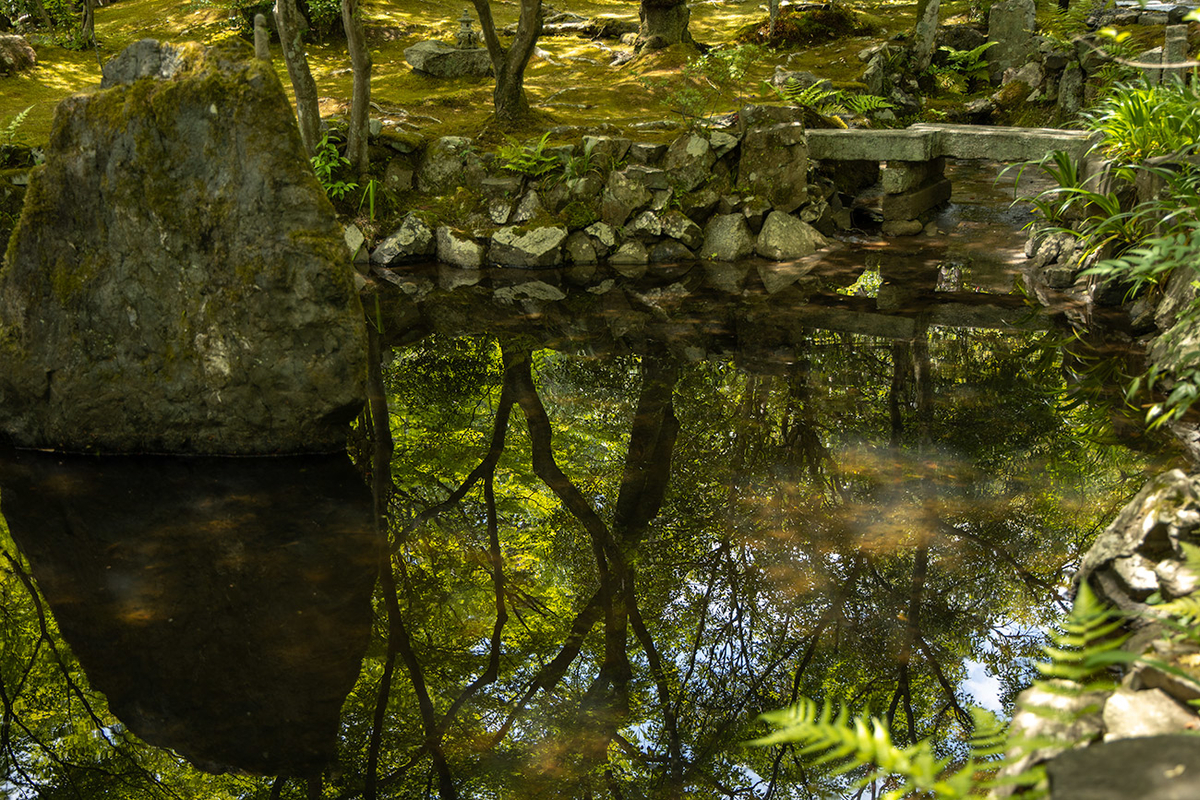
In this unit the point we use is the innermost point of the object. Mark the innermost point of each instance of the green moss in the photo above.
(577, 215)
(794, 28)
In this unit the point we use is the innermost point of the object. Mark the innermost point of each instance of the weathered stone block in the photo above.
(911, 205)
(623, 194)
(727, 238)
(689, 161)
(204, 303)
(412, 241)
(903, 176)
(539, 247)
(443, 61)
(784, 237)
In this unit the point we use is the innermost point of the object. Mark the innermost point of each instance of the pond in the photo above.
(624, 520)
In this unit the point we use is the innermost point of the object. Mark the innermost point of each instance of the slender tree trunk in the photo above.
(663, 23)
(291, 31)
(926, 31)
(360, 103)
(88, 27)
(509, 62)
(39, 10)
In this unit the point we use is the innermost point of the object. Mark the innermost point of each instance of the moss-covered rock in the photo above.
(177, 281)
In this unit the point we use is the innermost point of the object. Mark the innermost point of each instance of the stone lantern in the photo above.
(467, 38)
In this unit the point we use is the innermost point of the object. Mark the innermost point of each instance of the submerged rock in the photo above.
(177, 281)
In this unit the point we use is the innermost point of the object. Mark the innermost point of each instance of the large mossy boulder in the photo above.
(177, 281)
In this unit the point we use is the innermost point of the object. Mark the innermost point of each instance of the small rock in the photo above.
(412, 241)
(1147, 713)
(458, 249)
(539, 247)
(727, 238)
(902, 227)
(630, 259)
(784, 237)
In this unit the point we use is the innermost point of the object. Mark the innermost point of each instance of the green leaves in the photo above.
(326, 161)
(527, 159)
(828, 102)
(866, 741)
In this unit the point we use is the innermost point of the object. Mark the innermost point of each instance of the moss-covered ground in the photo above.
(570, 78)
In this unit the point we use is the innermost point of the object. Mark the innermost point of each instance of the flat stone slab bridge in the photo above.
(914, 158)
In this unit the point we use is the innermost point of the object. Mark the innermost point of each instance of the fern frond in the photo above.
(862, 103)
(8, 134)
(866, 741)
(1088, 642)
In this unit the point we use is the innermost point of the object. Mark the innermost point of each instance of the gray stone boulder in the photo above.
(1148, 768)
(630, 259)
(774, 157)
(679, 226)
(458, 249)
(412, 241)
(1010, 26)
(646, 225)
(623, 194)
(520, 247)
(727, 237)
(443, 166)
(689, 161)
(1141, 552)
(205, 302)
(15, 55)
(784, 237)
(670, 251)
(579, 249)
(443, 61)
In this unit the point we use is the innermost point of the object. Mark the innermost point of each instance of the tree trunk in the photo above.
(87, 30)
(39, 10)
(360, 103)
(291, 30)
(663, 23)
(926, 32)
(509, 62)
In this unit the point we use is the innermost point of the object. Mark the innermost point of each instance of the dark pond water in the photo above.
(624, 519)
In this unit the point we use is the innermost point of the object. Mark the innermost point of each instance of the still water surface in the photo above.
(621, 524)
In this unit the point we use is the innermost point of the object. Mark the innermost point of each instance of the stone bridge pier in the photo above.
(914, 159)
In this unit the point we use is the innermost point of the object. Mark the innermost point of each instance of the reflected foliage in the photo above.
(855, 520)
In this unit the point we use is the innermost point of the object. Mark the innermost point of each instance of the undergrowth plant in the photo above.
(708, 84)
(528, 158)
(962, 70)
(826, 101)
(1150, 135)
(10, 136)
(326, 161)
(1088, 641)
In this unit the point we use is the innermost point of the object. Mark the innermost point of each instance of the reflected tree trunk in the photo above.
(291, 28)
(651, 445)
(381, 488)
(898, 393)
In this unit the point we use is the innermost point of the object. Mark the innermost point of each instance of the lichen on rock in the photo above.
(177, 281)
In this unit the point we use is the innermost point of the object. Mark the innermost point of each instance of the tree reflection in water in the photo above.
(602, 569)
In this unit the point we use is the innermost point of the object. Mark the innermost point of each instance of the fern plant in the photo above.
(527, 158)
(865, 740)
(828, 102)
(1087, 642)
(962, 68)
(10, 136)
